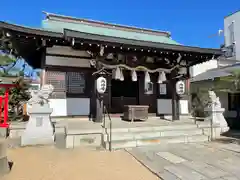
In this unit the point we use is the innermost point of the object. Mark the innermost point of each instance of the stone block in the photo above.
(4, 166)
(216, 132)
(148, 142)
(4, 132)
(121, 144)
(3, 148)
(69, 141)
(119, 136)
(181, 132)
(146, 135)
(16, 133)
(87, 140)
(198, 138)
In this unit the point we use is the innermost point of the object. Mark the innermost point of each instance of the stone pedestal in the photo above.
(217, 118)
(39, 129)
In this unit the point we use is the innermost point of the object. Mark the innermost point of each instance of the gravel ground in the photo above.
(48, 163)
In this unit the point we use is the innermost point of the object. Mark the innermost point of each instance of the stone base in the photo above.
(4, 166)
(39, 129)
(4, 132)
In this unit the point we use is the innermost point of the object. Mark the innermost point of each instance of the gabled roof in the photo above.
(58, 23)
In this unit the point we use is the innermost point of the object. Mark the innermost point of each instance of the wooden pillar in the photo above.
(43, 66)
(175, 99)
(98, 114)
(188, 89)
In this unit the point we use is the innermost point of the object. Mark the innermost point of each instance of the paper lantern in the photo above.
(101, 85)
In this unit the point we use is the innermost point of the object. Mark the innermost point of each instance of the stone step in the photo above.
(120, 144)
(151, 134)
(180, 126)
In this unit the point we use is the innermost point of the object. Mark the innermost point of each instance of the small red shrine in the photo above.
(4, 104)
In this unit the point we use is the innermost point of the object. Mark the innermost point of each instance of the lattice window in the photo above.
(76, 83)
(58, 80)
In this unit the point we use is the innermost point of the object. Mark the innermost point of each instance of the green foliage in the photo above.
(7, 54)
(228, 83)
(200, 101)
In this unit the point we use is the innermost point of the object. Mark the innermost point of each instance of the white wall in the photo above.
(203, 67)
(233, 18)
(164, 106)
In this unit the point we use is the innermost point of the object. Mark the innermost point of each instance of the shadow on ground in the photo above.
(232, 136)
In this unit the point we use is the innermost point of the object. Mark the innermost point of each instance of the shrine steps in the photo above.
(136, 137)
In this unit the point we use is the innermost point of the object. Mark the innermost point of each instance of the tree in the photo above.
(229, 83)
(7, 54)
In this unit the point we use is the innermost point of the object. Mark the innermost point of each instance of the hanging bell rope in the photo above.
(121, 75)
(161, 77)
(118, 73)
(147, 78)
(141, 68)
(134, 75)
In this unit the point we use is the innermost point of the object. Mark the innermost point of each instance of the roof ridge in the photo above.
(146, 30)
(232, 13)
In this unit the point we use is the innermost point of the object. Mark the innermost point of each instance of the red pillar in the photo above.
(5, 124)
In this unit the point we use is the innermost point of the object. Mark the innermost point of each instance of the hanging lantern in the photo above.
(101, 85)
(134, 75)
(121, 75)
(161, 77)
(147, 77)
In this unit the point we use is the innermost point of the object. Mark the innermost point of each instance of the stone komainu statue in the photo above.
(41, 96)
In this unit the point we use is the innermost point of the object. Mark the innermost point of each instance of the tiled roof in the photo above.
(63, 22)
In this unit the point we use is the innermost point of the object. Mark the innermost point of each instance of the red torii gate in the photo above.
(4, 99)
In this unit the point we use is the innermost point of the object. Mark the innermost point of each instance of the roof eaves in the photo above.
(82, 20)
(29, 30)
(110, 39)
(231, 13)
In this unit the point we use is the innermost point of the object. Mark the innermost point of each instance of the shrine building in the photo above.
(142, 66)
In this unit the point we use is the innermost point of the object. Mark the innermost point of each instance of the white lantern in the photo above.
(101, 85)
(180, 87)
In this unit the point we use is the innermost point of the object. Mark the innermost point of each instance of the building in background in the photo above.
(231, 47)
(204, 74)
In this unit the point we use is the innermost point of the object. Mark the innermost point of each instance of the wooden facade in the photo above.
(69, 59)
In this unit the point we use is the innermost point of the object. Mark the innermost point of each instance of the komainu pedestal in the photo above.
(216, 113)
(39, 129)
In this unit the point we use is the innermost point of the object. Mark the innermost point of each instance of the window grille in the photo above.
(58, 80)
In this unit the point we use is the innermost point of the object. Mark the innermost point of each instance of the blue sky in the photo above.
(191, 22)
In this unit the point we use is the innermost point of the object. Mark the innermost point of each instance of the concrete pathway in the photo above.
(202, 161)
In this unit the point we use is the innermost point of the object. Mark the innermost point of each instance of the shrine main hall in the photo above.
(143, 67)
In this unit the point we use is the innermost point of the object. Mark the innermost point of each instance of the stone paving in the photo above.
(198, 161)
